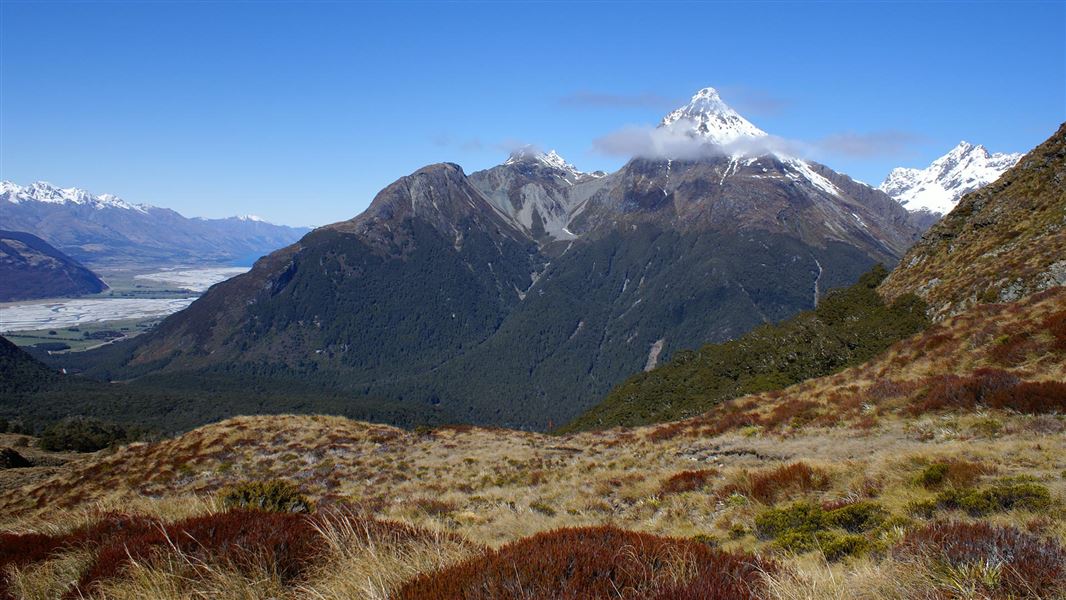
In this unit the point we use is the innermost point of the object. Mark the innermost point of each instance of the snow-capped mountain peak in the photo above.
(42, 191)
(938, 187)
(551, 160)
(708, 116)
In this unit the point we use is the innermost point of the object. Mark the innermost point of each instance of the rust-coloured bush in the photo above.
(592, 563)
(795, 413)
(1028, 566)
(954, 392)
(1032, 397)
(687, 481)
(1055, 324)
(28, 548)
(886, 389)
(667, 432)
(1012, 350)
(782, 482)
(731, 421)
(282, 543)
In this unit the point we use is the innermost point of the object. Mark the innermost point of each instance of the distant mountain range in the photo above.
(520, 294)
(104, 229)
(30, 268)
(937, 188)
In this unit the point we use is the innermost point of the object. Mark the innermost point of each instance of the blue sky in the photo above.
(301, 112)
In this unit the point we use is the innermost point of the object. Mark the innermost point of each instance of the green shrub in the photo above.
(1005, 494)
(801, 517)
(543, 508)
(922, 508)
(797, 541)
(932, 476)
(804, 527)
(836, 546)
(268, 496)
(857, 517)
(81, 434)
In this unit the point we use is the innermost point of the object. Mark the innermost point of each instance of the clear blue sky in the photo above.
(301, 112)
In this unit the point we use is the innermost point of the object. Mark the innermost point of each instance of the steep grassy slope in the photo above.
(999, 244)
(847, 328)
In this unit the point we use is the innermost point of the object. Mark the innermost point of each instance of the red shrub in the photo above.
(1031, 567)
(666, 432)
(800, 477)
(954, 392)
(687, 481)
(731, 421)
(886, 389)
(1055, 324)
(592, 563)
(1031, 397)
(282, 543)
(795, 413)
(782, 482)
(1013, 349)
(24, 549)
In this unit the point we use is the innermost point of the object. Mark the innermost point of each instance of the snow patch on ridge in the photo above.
(938, 187)
(41, 191)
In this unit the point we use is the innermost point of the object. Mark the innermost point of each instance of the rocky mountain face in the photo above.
(937, 188)
(104, 229)
(30, 268)
(520, 294)
(999, 244)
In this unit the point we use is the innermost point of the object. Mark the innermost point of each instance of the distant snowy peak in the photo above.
(707, 116)
(938, 187)
(41, 191)
(551, 160)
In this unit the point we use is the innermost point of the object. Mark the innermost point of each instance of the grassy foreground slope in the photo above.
(848, 327)
(936, 470)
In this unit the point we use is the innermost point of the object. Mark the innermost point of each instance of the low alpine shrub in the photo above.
(596, 562)
(269, 496)
(688, 481)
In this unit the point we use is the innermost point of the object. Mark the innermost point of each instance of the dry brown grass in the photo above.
(470, 487)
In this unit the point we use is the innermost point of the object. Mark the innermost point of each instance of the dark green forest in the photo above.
(848, 327)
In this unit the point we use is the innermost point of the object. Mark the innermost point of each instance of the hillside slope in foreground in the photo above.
(936, 470)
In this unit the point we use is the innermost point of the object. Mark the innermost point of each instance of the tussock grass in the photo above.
(452, 494)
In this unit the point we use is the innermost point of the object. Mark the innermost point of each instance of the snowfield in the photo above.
(194, 280)
(70, 313)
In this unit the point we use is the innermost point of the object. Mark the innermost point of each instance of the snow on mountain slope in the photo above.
(938, 187)
(712, 124)
(706, 116)
(95, 229)
(41, 191)
(553, 161)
